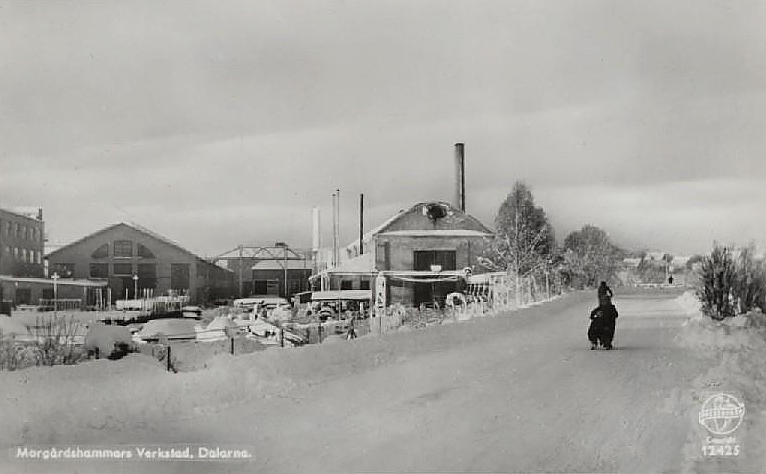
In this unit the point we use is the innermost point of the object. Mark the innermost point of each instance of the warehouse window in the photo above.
(64, 270)
(424, 259)
(99, 270)
(123, 269)
(101, 252)
(123, 248)
(144, 252)
(179, 276)
(147, 275)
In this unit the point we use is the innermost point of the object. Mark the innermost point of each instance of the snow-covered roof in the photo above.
(367, 236)
(281, 264)
(60, 281)
(353, 247)
(341, 295)
(362, 264)
(30, 212)
(143, 230)
(436, 233)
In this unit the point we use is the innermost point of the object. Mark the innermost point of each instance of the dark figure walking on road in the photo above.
(604, 294)
(351, 334)
(602, 326)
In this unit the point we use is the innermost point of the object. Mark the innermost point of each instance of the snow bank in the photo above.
(741, 332)
(737, 350)
(689, 303)
(137, 390)
(106, 337)
(13, 329)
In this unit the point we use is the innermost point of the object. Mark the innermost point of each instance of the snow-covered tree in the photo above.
(524, 240)
(590, 256)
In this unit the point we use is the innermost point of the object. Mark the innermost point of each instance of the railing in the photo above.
(60, 304)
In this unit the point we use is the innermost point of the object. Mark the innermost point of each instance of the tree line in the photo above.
(525, 244)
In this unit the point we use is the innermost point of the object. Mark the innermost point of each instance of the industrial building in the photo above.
(419, 255)
(131, 258)
(22, 239)
(268, 270)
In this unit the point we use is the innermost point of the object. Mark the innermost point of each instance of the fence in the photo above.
(505, 291)
(60, 304)
(486, 295)
(153, 305)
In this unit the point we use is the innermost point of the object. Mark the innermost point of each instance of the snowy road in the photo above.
(516, 393)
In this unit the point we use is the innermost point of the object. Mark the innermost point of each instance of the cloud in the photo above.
(258, 111)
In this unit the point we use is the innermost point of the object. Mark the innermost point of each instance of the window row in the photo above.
(122, 249)
(24, 255)
(21, 231)
(142, 270)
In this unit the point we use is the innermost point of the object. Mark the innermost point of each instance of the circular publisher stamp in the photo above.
(721, 414)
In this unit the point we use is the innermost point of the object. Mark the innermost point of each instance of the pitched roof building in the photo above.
(419, 255)
(132, 258)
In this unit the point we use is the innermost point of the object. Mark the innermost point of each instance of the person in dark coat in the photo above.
(602, 326)
(604, 294)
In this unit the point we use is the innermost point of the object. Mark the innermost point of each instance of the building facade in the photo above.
(260, 270)
(131, 258)
(418, 256)
(281, 277)
(22, 240)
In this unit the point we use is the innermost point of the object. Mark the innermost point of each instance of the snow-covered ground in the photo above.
(518, 392)
(738, 348)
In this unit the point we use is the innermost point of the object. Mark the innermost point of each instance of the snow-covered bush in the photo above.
(750, 283)
(729, 285)
(14, 355)
(718, 275)
(56, 340)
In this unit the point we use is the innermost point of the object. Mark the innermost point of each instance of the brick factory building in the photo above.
(22, 239)
(417, 256)
(128, 256)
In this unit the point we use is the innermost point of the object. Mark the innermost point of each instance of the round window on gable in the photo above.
(435, 211)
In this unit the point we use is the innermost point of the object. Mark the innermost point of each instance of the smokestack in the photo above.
(334, 230)
(316, 241)
(460, 176)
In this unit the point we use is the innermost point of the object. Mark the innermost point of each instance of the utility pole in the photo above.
(55, 278)
(337, 231)
(361, 224)
(286, 291)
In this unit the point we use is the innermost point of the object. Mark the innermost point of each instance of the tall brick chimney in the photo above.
(460, 176)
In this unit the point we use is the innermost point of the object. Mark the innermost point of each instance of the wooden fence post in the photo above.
(168, 356)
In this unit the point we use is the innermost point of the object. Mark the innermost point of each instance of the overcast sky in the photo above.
(220, 123)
